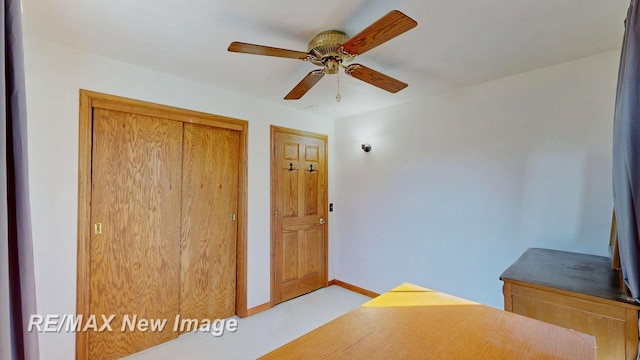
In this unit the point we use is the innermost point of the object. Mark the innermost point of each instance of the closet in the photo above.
(161, 222)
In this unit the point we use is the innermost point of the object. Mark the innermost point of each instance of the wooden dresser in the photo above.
(575, 291)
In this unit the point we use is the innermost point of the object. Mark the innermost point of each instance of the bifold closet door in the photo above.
(134, 245)
(209, 228)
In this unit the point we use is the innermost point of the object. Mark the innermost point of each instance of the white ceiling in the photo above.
(456, 43)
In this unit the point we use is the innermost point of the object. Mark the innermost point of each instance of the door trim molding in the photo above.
(273, 168)
(90, 100)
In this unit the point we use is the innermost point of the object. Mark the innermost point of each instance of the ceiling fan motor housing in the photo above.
(325, 47)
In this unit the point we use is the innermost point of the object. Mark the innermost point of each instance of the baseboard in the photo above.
(258, 309)
(353, 288)
(266, 306)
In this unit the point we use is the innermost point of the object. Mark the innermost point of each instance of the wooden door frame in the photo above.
(90, 100)
(274, 169)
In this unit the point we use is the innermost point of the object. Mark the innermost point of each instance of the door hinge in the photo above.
(275, 213)
(233, 217)
(97, 228)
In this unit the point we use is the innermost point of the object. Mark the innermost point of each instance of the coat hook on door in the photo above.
(291, 167)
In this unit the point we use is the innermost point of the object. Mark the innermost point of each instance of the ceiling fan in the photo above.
(333, 49)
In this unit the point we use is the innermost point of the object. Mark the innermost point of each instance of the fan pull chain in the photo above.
(338, 97)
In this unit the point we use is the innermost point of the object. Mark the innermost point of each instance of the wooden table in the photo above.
(411, 322)
(575, 291)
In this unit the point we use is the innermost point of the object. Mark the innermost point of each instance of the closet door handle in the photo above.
(321, 221)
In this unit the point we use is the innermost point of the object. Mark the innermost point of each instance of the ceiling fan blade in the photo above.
(381, 31)
(245, 48)
(375, 78)
(305, 85)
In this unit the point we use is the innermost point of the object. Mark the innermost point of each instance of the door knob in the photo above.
(322, 221)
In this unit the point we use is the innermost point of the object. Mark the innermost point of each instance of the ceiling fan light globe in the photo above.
(332, 66)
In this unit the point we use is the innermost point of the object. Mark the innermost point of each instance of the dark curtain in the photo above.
(626, 154)
(16, 225)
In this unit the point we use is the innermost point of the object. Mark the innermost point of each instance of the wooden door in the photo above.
(134, 256)
(209, 226)
(161, 204)
(298, 201)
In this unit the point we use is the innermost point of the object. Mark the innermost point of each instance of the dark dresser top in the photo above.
(580, 273)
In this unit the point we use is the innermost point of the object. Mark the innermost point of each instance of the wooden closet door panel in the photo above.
(135, 260)
(209, 227)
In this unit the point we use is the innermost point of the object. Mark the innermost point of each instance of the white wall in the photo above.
(54, 75)
(457, 187)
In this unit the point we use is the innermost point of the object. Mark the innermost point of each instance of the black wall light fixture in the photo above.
(366, 147)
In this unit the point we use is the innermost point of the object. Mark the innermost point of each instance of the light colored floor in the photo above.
(263, 332)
